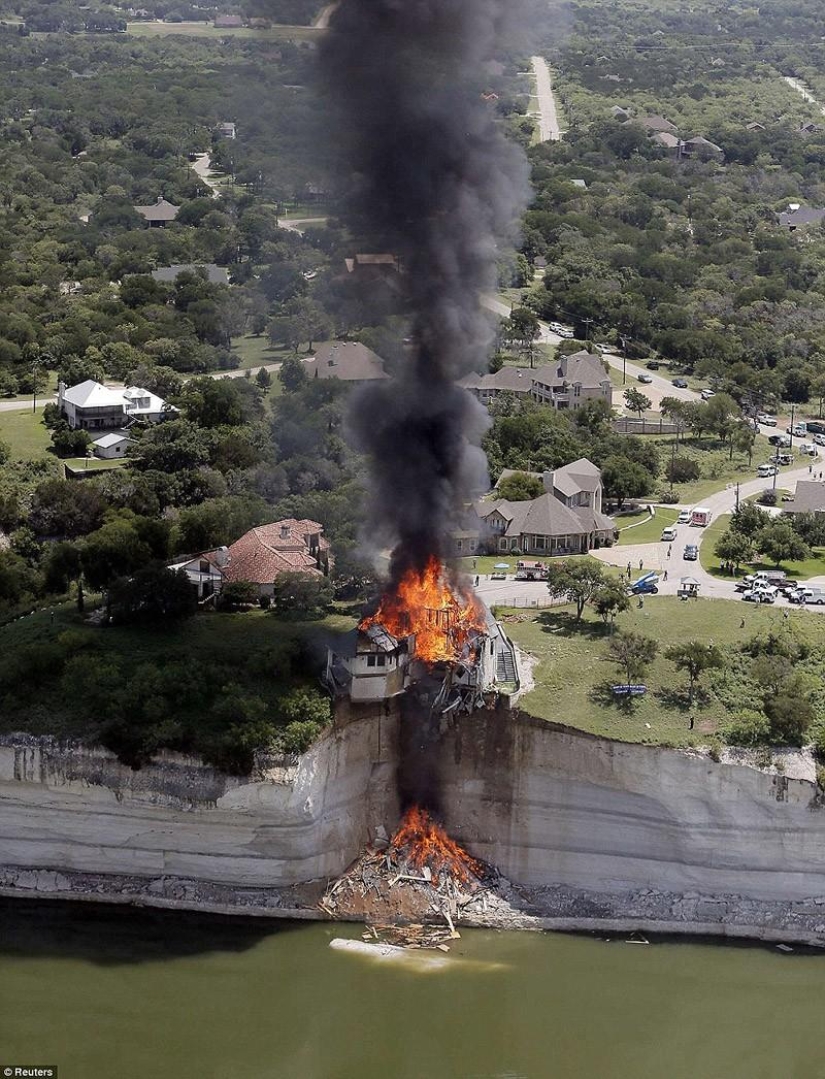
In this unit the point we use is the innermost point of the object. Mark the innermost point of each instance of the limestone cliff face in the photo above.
(74, 808)
(551, 807)
(555, 806)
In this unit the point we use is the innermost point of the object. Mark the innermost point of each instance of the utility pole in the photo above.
(34, 385)
(623, 340)
(737, 497)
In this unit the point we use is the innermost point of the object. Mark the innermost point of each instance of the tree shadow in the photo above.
(565, 624)
(602, 694)
(678, 698)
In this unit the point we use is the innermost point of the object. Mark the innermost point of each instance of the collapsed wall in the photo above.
(593, 833)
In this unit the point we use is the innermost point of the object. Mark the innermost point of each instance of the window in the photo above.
(458, 545)
(539, 543)
(382, 661)
(502, 544)
(371, 660)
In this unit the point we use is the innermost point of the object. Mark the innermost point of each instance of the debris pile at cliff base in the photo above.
(413, 907)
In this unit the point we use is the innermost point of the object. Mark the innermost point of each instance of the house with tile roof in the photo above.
(566, 519)
(260, 556)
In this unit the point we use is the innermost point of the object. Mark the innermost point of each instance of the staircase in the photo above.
(505, 666)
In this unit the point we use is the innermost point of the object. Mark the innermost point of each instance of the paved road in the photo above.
(549, 129)
(299, 224)
(801, 88)
(202, 165)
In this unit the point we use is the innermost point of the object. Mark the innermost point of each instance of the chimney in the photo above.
(222, 557)
(284, 532)
(547, 479)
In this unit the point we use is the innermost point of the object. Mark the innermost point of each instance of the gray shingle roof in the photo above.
(809, 497)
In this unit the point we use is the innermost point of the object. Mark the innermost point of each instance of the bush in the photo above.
(237, 594)
(302, 593)
(298, 736)
(748, 728)
(683, 470)
(767, 497)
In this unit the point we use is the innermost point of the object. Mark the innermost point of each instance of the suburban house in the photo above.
(701, 148)
(226, 130)
(215, 275)
(797, 215)
(347, 361)
(259, 556)
(371, 267)
(567, 383)
(94, 407)
(159, 214)
(110, 447)
(809, 497)
(656, 123)
(566, 519)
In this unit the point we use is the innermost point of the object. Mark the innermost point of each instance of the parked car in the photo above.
(774, 577)
(707, 394)
(604, 349)
(764, 418)
(758, 596)
(783, 459)
(813, 597)
(766, 470)
(779, 440)
(669, 534)
(652, 365)
(799, 430)
(691, 553)
(808, 449)
(819, 440)
(557, 327)
(680, 383)
(683, 518)
(645, 378)
(565, 332)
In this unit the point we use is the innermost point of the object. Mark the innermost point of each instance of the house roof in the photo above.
(542, 516)
(506, 473)
(349, 361)
(582, 367)
(138, 401)
(656, 123)
(809, 497)
(581, 475)
(91, 394)
(666, 139)
(282, 547)
(110, 440)
(216, 275)
(702, 143)
(159, 211)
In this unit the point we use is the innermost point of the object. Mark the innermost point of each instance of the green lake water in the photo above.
(111, 993)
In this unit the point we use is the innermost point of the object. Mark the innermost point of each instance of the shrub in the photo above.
(683, 470)
(748, 728)
(299, 735)
(767, 497)
(237, 594)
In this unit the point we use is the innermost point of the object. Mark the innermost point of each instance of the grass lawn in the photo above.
(573, 677)
(203, 29)
(650, 528)
(483, 564)
(93, 464)
(25, 434)
(250, 351)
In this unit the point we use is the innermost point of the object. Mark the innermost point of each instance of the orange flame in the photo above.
(420, 841)
(424, 605)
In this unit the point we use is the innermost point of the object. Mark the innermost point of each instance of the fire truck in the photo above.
(531, 571)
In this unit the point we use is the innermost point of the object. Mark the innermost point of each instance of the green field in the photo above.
(25, 434)
(250, 351)
(648, 529)
(203, 29)
(573, 677)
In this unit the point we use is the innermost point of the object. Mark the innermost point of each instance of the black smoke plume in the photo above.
(440, 187)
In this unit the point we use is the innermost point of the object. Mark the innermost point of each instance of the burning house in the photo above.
(427, 631)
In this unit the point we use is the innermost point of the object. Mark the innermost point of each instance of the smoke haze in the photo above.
(443, 189)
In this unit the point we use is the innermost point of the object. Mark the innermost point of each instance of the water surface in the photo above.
(111, 993)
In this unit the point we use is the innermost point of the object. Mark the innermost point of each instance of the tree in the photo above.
(153, 594)
(623, 479)
(520, 487)
(636, 401)
(682, 470)
(748, 728)
(749, 519)
(632, 653)
(778, 542)
(237, 594)
(293, 374)
(609, 600)
(733, 548)
(791, 709)
(263, 380)
(113, 551)
(694, 657)
(302, 593)
(577, 581)
(68, 443)
(743, 440)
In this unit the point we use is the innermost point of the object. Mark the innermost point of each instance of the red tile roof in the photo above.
(281, 547)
